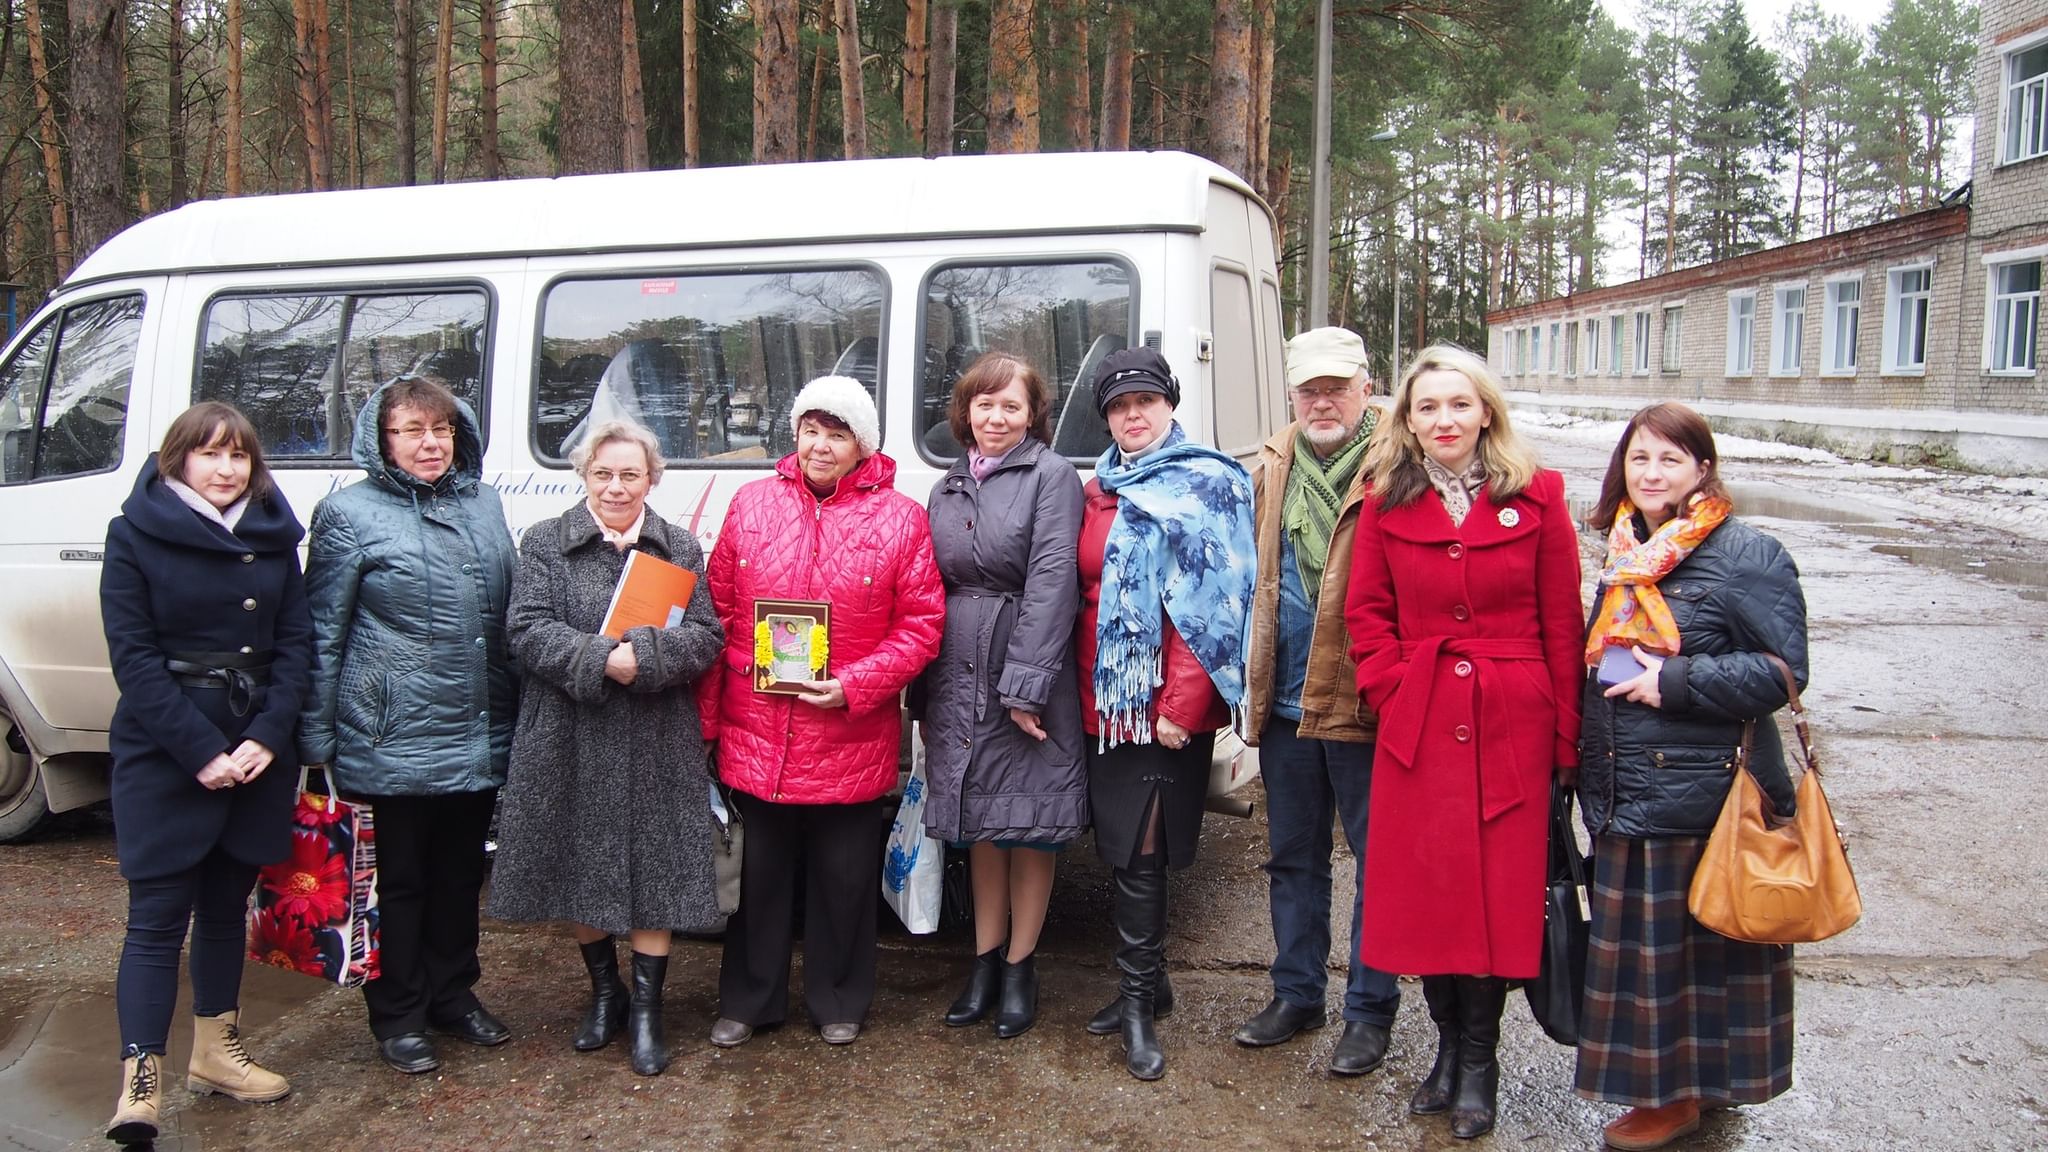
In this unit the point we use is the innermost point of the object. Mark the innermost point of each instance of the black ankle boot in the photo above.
(1110, 1018)
(1019, 1008)
(980, 994)
(1140, 956)
(1480, 1001)
(1433, 1095)
(607, 997)
(643, 1019)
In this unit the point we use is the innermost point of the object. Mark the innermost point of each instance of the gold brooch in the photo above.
(1509, 517)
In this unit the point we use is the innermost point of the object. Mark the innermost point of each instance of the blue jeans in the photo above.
(1305, 781)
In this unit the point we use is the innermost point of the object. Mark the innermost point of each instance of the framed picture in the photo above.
(790, 643)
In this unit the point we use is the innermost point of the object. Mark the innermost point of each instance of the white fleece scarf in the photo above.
(200, 504)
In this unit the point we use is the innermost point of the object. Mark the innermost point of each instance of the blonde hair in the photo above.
(1393, 461)
(624, 431)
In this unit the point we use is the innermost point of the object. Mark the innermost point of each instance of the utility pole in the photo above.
(1319, 200)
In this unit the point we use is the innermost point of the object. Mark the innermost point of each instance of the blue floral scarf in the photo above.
(1182, 539)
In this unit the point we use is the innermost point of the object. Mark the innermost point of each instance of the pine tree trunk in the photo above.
(1263, 51)
(405, 90)
(591, 131)
(53, 159)
(916, 52)
(323, 89)
(941, 68)
(1230, 85)
(853, 100)
(693, 131)
(444, 76)
(775, 81)
(1496, 236)
(632, 93)
(97, 124)
(1012, 77)
(233, 163)
(1067, 73)
(174, 105)
(309, 102)
(355, 121)
(487, 75)
(1117, 59)
(816, 103)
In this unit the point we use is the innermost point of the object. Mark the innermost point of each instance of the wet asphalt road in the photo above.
(1926, 1027)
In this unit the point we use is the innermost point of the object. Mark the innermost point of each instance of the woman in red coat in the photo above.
(1464, 617)
(806, 769)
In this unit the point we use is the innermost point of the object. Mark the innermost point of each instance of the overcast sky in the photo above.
(1765, 14)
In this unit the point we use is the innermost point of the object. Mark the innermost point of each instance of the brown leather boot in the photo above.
(1640, 1129)
(221, 1064)
(141, 1100)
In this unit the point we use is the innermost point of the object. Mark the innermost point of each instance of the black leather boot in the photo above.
(1019, 1008)
(643, 1018)
(1433, 1094)
(1140, 956)
(1480, 1001)
(1110, 1018)
(980, 994)
(607, 997)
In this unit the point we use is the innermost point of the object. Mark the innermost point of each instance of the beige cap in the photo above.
(1324, 352)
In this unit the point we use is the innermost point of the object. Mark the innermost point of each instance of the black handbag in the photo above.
(1556, 995)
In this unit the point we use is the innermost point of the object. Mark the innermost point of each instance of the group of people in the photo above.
(1388, 604)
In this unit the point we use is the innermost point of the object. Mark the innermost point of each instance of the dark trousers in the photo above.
(430, 877)
(1308, 781)
(211, 896)
(839, 849)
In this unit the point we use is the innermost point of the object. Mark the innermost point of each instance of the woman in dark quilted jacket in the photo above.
(1692, 604)
(807, 767)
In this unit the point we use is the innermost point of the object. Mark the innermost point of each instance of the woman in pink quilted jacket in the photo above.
(807, 768)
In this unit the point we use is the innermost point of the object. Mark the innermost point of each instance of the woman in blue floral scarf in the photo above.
(1166, 558)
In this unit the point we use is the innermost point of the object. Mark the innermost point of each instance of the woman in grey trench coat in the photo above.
(606, 815)
(1001, 707)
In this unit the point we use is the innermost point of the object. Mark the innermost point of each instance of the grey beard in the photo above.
(1327, 441)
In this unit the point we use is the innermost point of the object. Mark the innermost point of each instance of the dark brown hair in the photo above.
(204, 425)
(992, 372)
(1672, 421)
(430, 396)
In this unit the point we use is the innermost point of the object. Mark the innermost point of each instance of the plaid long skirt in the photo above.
(1673, 1010)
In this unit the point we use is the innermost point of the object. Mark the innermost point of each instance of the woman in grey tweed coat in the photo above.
(606, 817)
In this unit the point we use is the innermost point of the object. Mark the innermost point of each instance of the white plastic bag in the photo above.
(913, 864)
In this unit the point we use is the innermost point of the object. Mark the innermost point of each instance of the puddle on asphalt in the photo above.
(1774, 501)
(2029, 577)
(60, 1067)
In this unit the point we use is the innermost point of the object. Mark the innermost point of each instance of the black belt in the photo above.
(241, 673)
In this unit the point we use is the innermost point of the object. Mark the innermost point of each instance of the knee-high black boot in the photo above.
(1433, 1094)
(1480, 1001)
(643, 1018)
(1140, 958)
(607, 997)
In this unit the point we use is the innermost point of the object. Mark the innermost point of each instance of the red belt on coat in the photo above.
(1400, 733)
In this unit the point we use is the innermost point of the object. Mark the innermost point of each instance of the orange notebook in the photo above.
(651, 592)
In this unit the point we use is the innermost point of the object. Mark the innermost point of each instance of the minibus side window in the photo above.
(72, 418)
(708, 362)
(1236, 404)
(1061, 318)
(302, 366)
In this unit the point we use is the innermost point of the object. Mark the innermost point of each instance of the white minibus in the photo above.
(698, 300)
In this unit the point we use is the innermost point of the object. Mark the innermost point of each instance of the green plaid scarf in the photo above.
(1315, 494)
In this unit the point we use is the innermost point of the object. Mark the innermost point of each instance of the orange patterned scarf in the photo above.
(1632, 611)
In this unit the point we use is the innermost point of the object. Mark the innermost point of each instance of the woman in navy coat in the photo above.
(212, 647)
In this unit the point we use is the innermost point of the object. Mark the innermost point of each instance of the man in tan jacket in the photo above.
(1314, 735)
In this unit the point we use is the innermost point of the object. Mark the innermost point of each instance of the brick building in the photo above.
(1922, 329)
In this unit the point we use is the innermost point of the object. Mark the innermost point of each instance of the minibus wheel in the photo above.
(23, 806)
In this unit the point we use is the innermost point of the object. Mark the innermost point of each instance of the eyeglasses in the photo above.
(414, 433)
(1313, 396)
(603, 477)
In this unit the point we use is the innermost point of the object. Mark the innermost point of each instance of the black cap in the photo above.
(1139, 369)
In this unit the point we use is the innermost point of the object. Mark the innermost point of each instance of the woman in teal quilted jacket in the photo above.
(408, 575)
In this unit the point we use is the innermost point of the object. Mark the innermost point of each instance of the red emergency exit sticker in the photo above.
(657, 287)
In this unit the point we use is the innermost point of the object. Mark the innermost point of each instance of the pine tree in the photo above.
(1736, 141)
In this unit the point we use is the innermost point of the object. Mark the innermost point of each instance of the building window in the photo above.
(1840, 327)
(1642, 360)
(1571, 348)
(1741, 333)
(1674, 337)
(1614, 345)
(1536, 349)
(1550, 349)
(1905, 320)
(2026, 103)
(1788, 330)
(1590, 347)
(2015, 315)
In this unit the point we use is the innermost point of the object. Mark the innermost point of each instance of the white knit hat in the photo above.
(848, 400)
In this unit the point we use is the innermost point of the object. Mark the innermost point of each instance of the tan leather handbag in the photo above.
(1789, 884)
